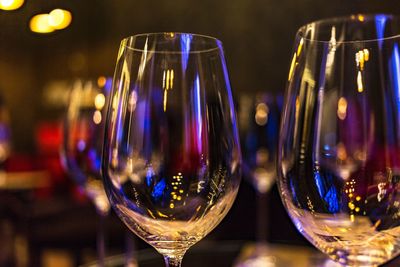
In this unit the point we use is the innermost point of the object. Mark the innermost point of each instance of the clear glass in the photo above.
(172, 159)
(259, 130)
(339, 160)
(83, 135)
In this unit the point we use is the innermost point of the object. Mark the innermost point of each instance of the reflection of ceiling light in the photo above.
(101, 81)
(60, 19)
(99, 101)
(11, 4)
(57, 19)
(261, 116)
(40, 24)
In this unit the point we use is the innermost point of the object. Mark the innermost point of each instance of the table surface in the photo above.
(228, 254)
(24, 180)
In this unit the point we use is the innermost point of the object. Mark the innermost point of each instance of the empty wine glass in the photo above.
(259, 126)
(82, 146)
(172, 159)
(5, 133)
(339, 151)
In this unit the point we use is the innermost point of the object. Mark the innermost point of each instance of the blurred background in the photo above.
(39, 205)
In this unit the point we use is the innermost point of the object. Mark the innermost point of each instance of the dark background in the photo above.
(257, 37)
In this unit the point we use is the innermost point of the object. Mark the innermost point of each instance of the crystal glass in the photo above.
(172, 159)
(5, 133)
(83, 135)
(259, 130)
(339, 149)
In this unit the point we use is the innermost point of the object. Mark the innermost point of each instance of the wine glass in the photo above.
(83, 135)
(339, 149)
(171, 161)
(259, 129)
(5, 133)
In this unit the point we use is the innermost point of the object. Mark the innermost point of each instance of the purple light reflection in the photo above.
(199, 120)
(186, 39)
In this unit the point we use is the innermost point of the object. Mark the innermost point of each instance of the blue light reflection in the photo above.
(158, 189)
(380, 22)
(327, 190)
(197, 102)
(186, 39)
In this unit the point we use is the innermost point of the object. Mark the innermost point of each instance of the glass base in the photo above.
(258, 255)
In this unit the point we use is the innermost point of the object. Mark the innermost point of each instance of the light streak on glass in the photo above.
(395, 67)
(168, 83)
(299, 49)
(199, 120)
(292, 65)
(186, 40)
(380, 23)
(360, 87)
(143, 61)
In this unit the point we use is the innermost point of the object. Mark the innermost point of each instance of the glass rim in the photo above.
(210, 39)
(348, 18)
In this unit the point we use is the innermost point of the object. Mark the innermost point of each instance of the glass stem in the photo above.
(173, 261)
(130, 250)
(262, 217)
(101, 251)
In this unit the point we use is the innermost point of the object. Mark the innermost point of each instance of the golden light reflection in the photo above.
(378, 222)
(360, 155)
(261, 115)
(99, 101)
(353, 200)
(381, 191)
(132, 101)
(168, 83)
(300, 47)
(162, 214)
(169, 35)
(101, 81)
(176, 194)
(366, 54)
(361, 18)
(114, 158)
(360, 87)
(11, 4)
(151, 213)
(60, 19)
(40, 24)
(362, 57)
(97, 117)
(341, 152)
(342, 108)
(57, 19)
(292, 66)
(310, 205)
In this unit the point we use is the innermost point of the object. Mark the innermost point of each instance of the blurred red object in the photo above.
(49, 138)
(20, 163)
